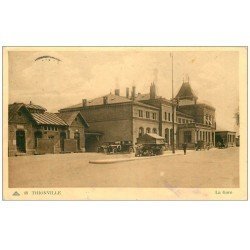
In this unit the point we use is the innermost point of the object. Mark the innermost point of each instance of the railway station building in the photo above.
(125, 118)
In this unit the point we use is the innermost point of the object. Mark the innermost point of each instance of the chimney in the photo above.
(117, 91)
(84, 102)
(127, 93)
(152, 91)
(133, 93)
(105, 100)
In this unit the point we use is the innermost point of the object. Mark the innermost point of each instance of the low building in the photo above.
(32, 130)
(76, 130)
(228, 138)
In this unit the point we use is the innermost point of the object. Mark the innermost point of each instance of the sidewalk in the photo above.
(132, 157)
(115, 158)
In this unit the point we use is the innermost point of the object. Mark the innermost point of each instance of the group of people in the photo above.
(198, 146)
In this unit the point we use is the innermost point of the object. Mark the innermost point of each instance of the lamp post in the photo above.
(173, 142)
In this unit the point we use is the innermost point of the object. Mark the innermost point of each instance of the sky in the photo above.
(54, 84)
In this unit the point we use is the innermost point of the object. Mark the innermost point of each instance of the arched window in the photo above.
(167, 135)
(154, 130)
(148, 130)
(141, 131)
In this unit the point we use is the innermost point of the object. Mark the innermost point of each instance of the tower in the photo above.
(186, 95)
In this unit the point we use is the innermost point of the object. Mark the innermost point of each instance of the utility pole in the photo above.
(173, 142)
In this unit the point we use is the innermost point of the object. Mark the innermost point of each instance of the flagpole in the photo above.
(173, 141)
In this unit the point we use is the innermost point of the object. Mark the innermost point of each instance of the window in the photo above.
(183, 120)
(147, 114)
(154, 116)
(45, 128)
(148, 130)
(179, 120)
(140, 113)
(165, 116)
(56, 128)
(141, 131)
(167, 135)
(187, 136)
(169, 117)
(51, 137)
(154, 130)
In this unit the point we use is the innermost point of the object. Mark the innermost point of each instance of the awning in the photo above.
(94, 133)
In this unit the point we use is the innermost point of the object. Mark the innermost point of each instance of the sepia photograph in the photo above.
(125, 123)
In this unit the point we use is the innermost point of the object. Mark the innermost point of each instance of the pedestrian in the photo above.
(184, 146)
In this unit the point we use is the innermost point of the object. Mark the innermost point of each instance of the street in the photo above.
(216, 168)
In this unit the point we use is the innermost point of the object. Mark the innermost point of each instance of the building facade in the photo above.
(196, 121)
(117, 118)
(32, 130)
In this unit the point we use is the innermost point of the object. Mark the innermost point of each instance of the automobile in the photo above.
(221, 144)
(149, 149)
(150, 144)
(103, 148)
(116, 147)
(199, 145)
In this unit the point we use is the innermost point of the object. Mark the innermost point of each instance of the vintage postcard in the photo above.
(125, 123)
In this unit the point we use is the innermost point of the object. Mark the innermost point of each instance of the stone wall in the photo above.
(45, 146)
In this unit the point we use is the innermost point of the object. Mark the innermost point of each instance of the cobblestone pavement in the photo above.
(216, 168)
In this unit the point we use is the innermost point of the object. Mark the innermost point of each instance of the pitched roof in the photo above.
(144, 97)
(13, 109)
(99, 101)
(111, 99)
(48, 119)
(186, 91)
(33, 106)
(70, 116)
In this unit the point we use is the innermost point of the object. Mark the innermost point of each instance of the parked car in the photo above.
(199, 145)
(116, 147)
(149, 145)
(149, 149)
(221, 144)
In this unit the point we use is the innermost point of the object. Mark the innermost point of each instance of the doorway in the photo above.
(62, 138)
(20, 141)
(77, 138)
(38, 134)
